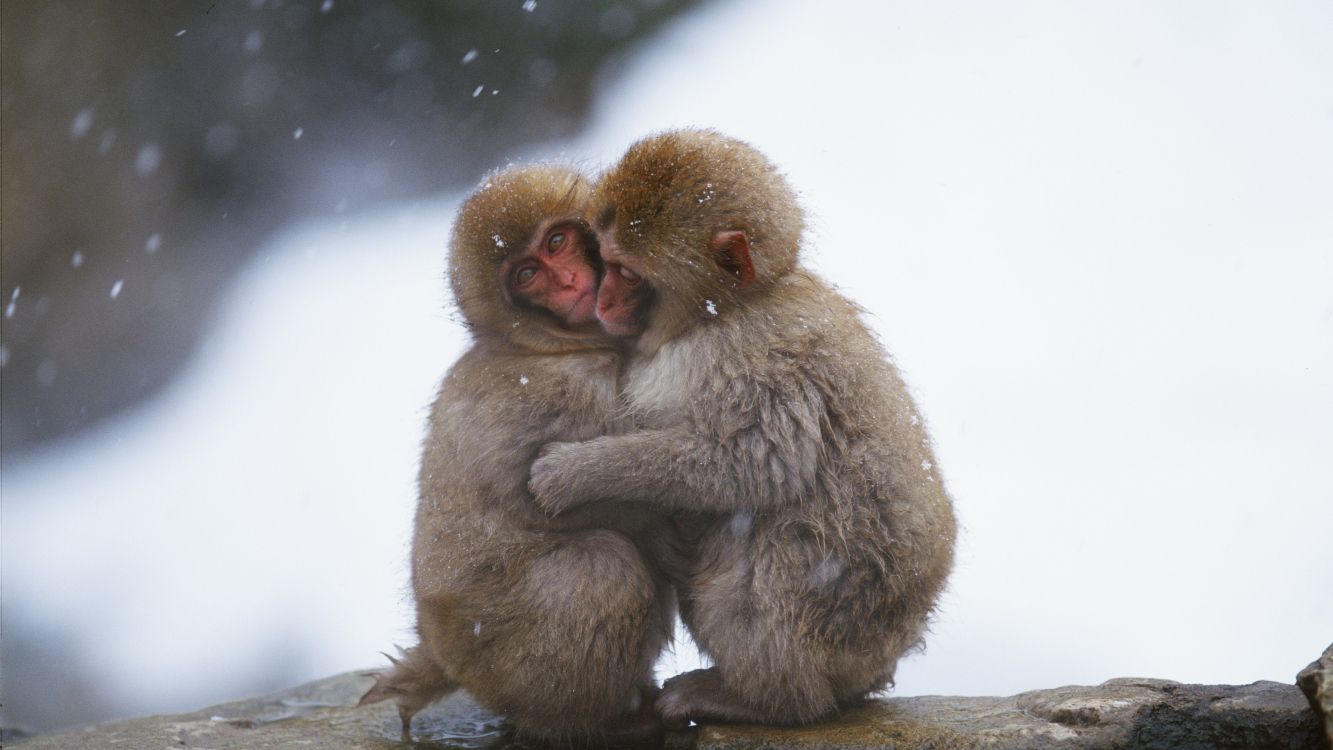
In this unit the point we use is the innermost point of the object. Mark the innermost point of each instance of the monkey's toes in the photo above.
(677, 705)
(673, 711)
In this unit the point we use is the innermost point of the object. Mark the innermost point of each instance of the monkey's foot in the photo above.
(699, 696)
(639, 728)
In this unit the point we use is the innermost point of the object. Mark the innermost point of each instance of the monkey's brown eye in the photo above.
(627, 274)
(555, 242)
(524, 275)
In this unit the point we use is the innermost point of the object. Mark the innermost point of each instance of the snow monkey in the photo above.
(769, 417)
(555, 623)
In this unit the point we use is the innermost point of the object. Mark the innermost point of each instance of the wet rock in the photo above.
(1316, 681)
(1140, 713)
(1134, 713)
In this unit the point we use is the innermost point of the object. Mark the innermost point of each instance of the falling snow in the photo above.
(926, 465)
(710, 306)
(83, 122)
(469, 56)
(529, 5)
(296, 134)
(116, 287)
(523, 379)
(4, 355)
(477, 91)
(180, 33)
(498, 242)
(46, 373)
(476, 628)
(741, 522)
(148, 159)
(153, 243)
(326, 6)
(76, 259)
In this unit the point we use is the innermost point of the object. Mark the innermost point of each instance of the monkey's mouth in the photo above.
(571, 315)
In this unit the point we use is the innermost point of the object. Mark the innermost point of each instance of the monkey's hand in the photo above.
(554, 477)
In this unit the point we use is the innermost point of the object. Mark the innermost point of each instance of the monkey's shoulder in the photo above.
(499, 389)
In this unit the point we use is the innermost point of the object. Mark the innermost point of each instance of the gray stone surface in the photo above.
(1316, 681)
(1123, 713)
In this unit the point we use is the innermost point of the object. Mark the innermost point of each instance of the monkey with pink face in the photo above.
(769, 419)
(555, 623)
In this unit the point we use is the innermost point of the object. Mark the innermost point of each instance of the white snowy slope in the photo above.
(1096, 238)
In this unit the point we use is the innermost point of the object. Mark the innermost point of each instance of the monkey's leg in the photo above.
(699, 696)
(566, 649)
(771, 667)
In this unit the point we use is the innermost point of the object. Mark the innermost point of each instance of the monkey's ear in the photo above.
(731, 249)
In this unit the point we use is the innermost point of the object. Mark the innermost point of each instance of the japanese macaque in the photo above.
(770, 419)
(555, 623)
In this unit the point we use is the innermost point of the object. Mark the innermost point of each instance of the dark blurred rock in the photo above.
(1316, 681)
(1127, 713)
(148, 147)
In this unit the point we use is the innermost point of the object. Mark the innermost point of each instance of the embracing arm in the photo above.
(768, 461)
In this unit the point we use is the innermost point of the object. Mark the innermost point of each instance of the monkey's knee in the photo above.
(593, 630)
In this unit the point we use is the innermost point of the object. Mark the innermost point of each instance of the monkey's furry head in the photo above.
(673, 191)
(499, 219)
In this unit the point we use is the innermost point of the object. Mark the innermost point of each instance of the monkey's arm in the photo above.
(766, 459)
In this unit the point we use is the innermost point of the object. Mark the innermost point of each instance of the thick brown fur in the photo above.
(771, 419)
(554, 623)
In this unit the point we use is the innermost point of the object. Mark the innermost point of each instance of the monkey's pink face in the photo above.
(622, 300)
(556, 273)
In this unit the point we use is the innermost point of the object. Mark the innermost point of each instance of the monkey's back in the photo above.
(509, 602)
(495, 409)
(856, 554)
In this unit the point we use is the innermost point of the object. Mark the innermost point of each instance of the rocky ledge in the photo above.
(1121, 713)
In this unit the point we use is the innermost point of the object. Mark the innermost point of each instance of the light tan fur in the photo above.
(554, 623)
(772, 421)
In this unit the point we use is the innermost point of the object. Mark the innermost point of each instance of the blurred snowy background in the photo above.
(1098, 238)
